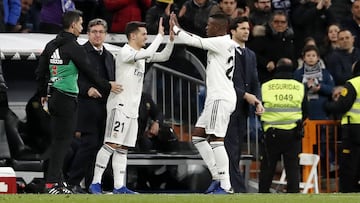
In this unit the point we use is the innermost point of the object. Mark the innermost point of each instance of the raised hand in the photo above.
(161, 27)
(173, 19)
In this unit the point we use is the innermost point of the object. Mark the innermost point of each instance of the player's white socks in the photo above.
(102, 159)
(222, 163)
(119, 161)
(207, 155)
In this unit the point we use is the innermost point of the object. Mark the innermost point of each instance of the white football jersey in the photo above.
(220, 64)
(129, 72)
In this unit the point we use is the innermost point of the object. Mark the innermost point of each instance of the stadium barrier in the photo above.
(322, 137)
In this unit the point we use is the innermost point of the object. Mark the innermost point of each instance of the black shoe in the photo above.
(57, 189)
(76, 189)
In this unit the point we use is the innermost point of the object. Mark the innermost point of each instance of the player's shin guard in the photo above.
(222, 163)
(102, 159)
(207, 154)
(119, 161)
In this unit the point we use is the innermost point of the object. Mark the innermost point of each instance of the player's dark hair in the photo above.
(70, 17)
(234, 23)
(133, 27)
(222, 20)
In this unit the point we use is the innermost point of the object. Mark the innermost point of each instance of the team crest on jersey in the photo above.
(55, 58)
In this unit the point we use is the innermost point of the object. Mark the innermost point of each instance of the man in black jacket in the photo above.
(346, 103)
(247, 89)
(92, 108)
(57, 72)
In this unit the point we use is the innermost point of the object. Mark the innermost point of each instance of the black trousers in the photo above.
(276, 143)
(83, 161)
(63, 119)
(349, 173)
(233, 141)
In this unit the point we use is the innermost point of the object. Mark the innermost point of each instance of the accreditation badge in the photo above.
(344, 92)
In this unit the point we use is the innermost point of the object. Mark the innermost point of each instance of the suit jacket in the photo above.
(246, 81)
(91, 111)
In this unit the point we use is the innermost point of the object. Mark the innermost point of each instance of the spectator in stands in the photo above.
(330, 41)
(11, 14)
(92, 107)
(22, 25)
(319, 85)
(309, 41)
(277, 43)
(227, 7)
(352, 23)
(310, 19)
(243, 8)
(125, 11)
(89, 9)
(283, 5)
(317, 81)
(346, 103)
(161, 8)
(2, 20)
(260, 16)
(194, 14)
(51, 13)
(339, 62)
(33, 16)
(341, 9)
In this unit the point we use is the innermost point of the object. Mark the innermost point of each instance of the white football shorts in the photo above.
(121, 129)
(215, 117)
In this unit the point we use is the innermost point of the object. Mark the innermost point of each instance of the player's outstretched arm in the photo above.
(151, 50)
(211, 43)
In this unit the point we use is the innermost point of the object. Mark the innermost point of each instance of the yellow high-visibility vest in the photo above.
(282, 100)
(353, 115)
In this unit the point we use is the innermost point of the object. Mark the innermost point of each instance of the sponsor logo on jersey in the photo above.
(138, 73)
(55, 58)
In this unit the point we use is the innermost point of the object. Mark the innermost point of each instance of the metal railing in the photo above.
(321, 137)
(178, 96)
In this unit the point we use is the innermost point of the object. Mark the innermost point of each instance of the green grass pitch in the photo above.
(183, 198)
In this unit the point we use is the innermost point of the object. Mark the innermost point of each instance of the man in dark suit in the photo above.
(92, 108)
(247, 88)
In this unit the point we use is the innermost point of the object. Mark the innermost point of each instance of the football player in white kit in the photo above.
(210, 128)
(122, 109)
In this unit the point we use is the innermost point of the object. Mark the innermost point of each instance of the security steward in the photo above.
(347, 103)
(283, 100)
